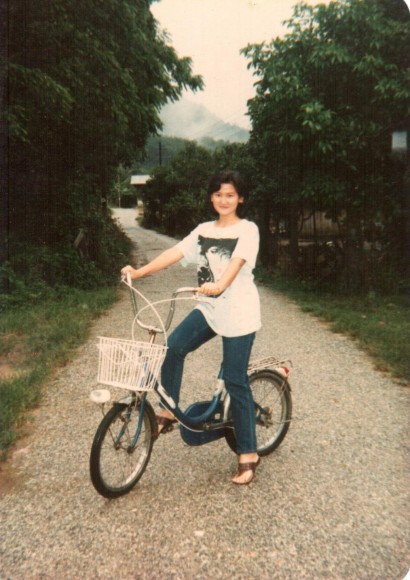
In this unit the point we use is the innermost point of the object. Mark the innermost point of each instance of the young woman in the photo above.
(225, 252)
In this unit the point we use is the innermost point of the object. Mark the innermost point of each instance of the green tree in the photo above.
(175, 199)
(159, 150)
(122, 193)
(86, 82)
(4, 182)
(328, 96)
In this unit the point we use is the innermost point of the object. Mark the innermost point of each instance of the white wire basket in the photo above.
(129, 364)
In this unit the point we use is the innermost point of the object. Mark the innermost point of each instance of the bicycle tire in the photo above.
(271, 392)
(114, 467)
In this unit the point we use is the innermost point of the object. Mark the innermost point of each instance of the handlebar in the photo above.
(171, 312)
(184, 289)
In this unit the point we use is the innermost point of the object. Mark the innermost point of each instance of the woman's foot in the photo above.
(165, 422)
(247, 465)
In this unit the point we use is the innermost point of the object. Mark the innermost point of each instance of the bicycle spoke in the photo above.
(273, 407)
(115, 464)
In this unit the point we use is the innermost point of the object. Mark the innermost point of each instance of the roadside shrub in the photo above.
(35, 272)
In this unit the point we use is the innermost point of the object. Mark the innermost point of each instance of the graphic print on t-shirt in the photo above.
(214, 256)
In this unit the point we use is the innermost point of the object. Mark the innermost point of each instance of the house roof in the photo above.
(139, 179)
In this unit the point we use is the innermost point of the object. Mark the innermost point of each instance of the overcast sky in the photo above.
(212, 32)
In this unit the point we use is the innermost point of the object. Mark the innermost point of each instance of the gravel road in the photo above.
(331, 502)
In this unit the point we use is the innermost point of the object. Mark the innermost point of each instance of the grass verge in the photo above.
(34, 341)
(380, 324)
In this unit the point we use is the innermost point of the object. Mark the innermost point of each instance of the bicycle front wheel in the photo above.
(117, 461)
(273, 410)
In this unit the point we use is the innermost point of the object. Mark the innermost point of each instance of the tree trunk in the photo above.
(268, 253)
(294, 239)
(356, 271)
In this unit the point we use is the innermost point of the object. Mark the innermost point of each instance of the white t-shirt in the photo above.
(236, 311)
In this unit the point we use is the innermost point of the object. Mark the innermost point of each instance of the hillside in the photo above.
(192, 121)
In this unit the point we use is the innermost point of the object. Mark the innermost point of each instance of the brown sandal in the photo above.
(166, 423)
(242, 467)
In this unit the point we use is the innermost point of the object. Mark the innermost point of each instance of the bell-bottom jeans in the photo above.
(189, 335)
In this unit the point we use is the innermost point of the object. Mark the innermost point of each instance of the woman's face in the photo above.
(226, 200)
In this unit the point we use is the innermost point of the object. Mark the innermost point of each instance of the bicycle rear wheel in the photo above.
(273, 408)
(116, 464)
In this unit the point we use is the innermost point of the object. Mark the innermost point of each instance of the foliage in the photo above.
(86, 80)
(159, 150)
(33, 270)
(175, 198)
(379, 324)
(328, 96)
(176, 191)
(122, 193)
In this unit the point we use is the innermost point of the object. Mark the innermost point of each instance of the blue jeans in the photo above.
(189, 335)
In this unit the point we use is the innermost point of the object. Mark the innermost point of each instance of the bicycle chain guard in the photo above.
(195, 438)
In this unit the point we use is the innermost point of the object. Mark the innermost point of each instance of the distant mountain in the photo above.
(192, 121)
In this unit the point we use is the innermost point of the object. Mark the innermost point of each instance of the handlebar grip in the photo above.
(185, 289)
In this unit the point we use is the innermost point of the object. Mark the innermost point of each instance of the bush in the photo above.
(37, 268)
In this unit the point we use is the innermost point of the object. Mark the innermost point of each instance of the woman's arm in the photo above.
(162, 261)
(215, 288)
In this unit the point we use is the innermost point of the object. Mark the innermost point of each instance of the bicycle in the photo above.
(124, 439)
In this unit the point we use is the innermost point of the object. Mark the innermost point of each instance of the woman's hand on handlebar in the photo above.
(210, 289)
(131, 271)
